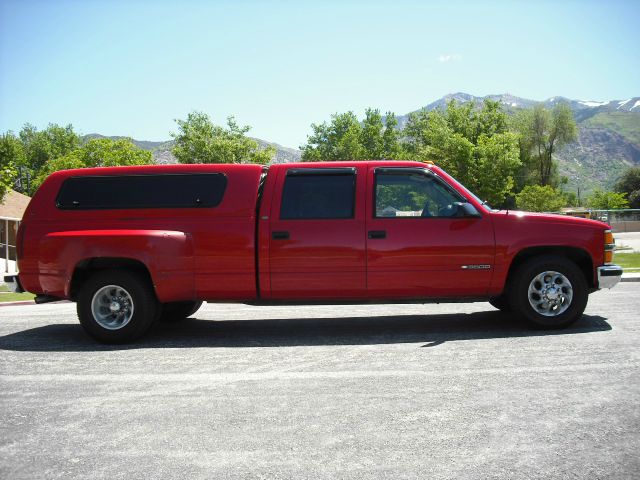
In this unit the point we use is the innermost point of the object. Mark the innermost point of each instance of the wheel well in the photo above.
(89, 266)
(577, 255)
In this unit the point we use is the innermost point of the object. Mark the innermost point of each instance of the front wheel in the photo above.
(549, 291)
(117, 306)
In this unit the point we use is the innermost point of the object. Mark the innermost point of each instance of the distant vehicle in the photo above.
(572, 212)
(134, 244)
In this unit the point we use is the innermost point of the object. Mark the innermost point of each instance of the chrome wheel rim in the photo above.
(550, 293)
(112, 307)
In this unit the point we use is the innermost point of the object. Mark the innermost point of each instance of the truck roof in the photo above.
(355, 163)
(207, 167)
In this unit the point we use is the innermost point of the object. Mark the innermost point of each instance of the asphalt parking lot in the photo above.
(388, 391)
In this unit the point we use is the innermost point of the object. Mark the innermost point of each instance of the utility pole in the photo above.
(579, 200)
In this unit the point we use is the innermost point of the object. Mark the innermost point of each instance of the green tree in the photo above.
(391, 146)
(497, 160)
(431, 137)
(198, 140)
(629, 183)
(345, 138)
(41, 146)
(339, 140)
(11, 154)
(540, 198)
(99, 152)
(473, 144)
(542, 133)
(601, 200)
(371, 134)
(105, 152)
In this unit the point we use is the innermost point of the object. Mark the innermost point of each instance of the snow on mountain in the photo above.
(622, 103)
(593, 104)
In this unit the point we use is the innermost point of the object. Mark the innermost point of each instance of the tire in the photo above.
(117, 306)
(178, 311)
(501, 303)
(549, 291)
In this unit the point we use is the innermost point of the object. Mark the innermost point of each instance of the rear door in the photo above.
(317, 234)
(416, 245)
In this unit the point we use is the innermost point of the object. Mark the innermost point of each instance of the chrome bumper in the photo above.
(13, 282)
(609, 276)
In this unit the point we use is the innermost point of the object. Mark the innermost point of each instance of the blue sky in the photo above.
(132, 67)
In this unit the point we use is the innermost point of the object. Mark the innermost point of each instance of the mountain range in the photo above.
(608, 138)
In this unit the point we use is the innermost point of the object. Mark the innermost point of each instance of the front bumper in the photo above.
(13, 282)
(609, 276)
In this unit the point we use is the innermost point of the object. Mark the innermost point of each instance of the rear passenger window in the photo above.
(318, 193)
(142, 191)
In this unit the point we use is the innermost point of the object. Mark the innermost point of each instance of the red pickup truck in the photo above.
(132, 245)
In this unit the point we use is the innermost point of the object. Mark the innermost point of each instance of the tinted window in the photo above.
(318, 195)
(413, 194)
(142, 191)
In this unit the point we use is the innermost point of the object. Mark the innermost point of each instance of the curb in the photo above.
(630, 279)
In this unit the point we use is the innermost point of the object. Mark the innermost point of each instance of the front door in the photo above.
(317, 246)
(417, 245)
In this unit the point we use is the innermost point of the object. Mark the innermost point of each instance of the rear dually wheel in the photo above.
(117, 306)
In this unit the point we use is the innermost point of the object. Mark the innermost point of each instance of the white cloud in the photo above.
(449, 57)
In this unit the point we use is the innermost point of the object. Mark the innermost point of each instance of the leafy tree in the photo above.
(431, 137)
(339, 140)
(198, 140)
(105, 152)
(540, 198)
(601, 200)
(8, 175)
(473, 144)
(371, 134)
(42, 146)
(345, 138)
(99, 152)
(497, 160)
(392, 148)
(542, 133)
(629, 183)
(67, 162)
(11, 154)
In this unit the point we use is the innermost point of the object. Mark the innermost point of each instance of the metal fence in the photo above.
(627, 220)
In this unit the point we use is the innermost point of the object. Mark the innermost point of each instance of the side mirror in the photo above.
(465, 209)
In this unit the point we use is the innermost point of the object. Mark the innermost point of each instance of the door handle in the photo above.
(280, 235)
(377, 234)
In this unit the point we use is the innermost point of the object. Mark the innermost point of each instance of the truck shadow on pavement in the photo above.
(425, 330)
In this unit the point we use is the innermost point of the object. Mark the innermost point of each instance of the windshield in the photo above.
(471, 194)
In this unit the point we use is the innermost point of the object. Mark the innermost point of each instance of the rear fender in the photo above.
(167, 255)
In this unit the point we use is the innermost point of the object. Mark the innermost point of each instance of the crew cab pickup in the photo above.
(132, 245)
